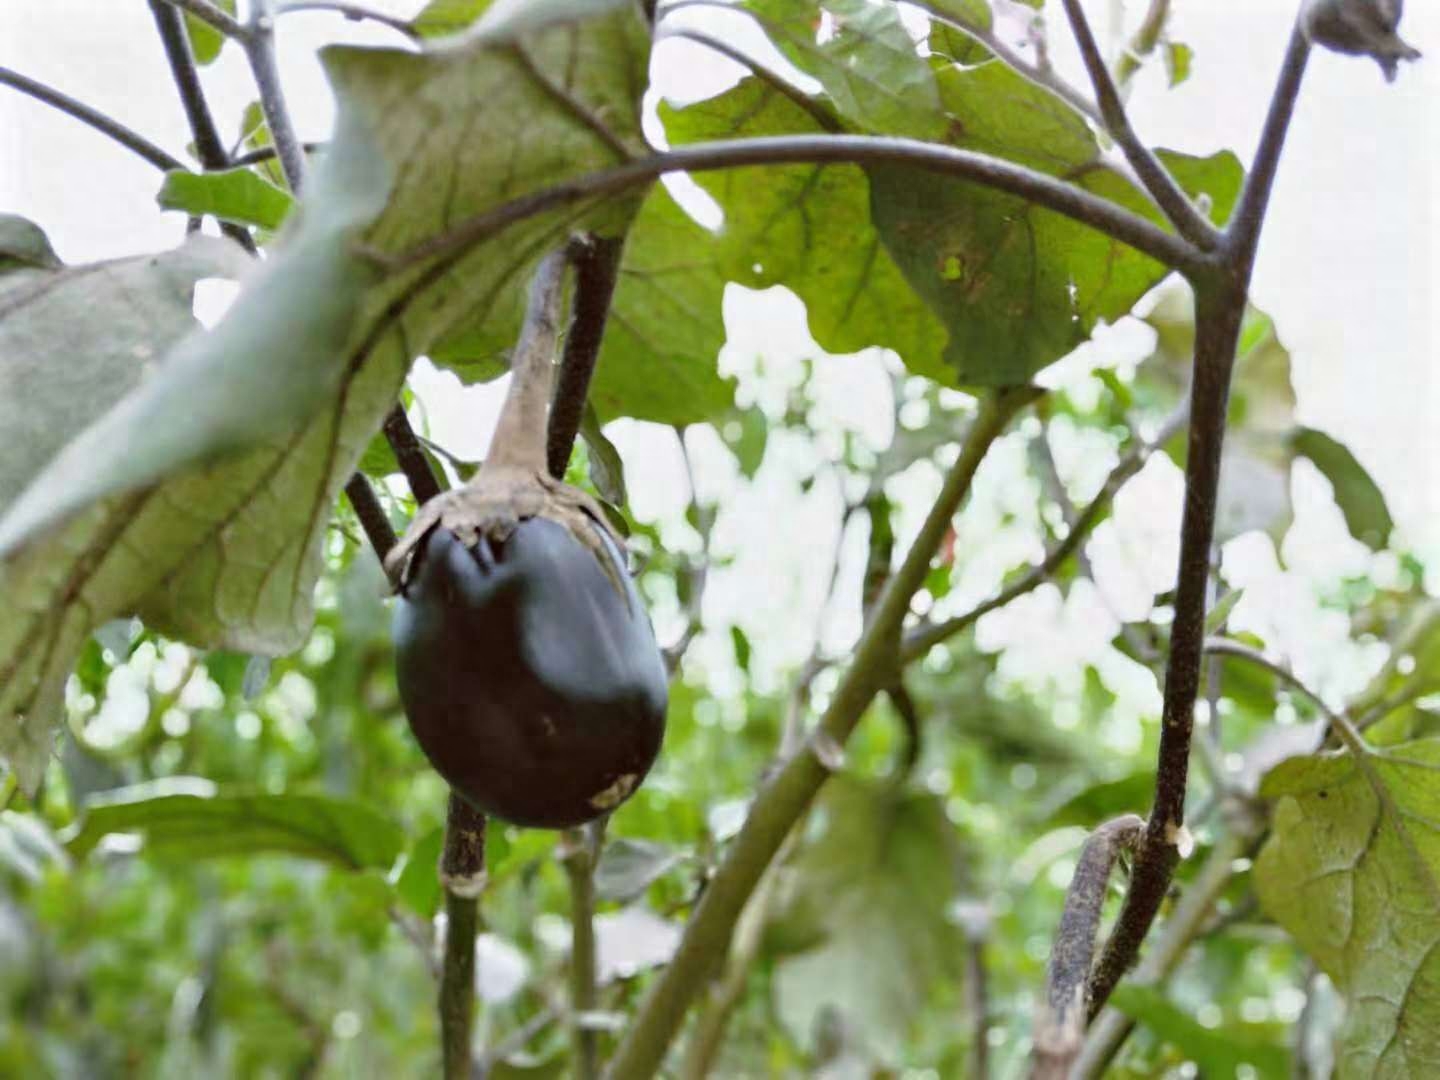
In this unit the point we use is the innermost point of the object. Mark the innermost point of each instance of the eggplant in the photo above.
(531, 681)
(526, 662)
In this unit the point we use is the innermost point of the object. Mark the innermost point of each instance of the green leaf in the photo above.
(1356, 493)
(607, 471)
(1352, 871)
(874, 890)
(441, 17)
(237, 195)
(1215, 618)
(417, 877)
(1105, 800)
(187, 818)
(1178, 61)
(1221, 1051)
(741, 644)
(205, 41)
(628, 867)
(865, 58)
(854, 294)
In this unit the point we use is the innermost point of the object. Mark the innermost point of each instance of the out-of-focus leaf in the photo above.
(27, 847)
(237, 195)
(188, 818)
(875, 889)
(24, 246)
(1221, 1051)
(628, 867)
(1100, 802)
(1178, 60)
(607, 471)
(1352, 871)
(441, 17)
(1216, 616)
(417, 877)
(1356, 493)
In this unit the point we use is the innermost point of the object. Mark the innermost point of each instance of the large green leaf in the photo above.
(238, 195)
(1352, 871)
(873, 891)
(781, 228)
(189, 819)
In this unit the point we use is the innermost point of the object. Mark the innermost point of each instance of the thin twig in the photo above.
(789, 792)
(597, 270)
(262, 154)
(1147, 36)
(259, 43)
(208, 147)
(1045, 191)
(353, 12)
(207, 12)
(926, 636)
(1220, 646)
(123, 135)
(1060, 1019)
(1175, 204)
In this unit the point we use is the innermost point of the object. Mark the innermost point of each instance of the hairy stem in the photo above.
(791, 789)
(597, 270)
(353, 12)
(259, 44)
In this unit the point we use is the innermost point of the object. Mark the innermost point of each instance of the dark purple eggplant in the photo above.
(531, 682)
(526, 662)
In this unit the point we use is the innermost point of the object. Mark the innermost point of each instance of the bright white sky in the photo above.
(1349, 267)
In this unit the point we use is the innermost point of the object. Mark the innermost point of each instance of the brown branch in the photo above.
(373, 518)
(578, 854)
(462, 872)
(410, 455)
(1060, 1020)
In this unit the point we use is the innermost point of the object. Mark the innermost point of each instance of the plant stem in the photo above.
(113, 129)
(1045, 191)
(259, 43)
(578, 859)
(208, 147)
(1142, 44)
(520, 433)
(1108, 1032)
(597, 270)
(1219, 646)
(1060, 1020)
(371, 514)
(1176, 205)
(1220, 298)
(788, 793)
(462, 872)
(410, 455)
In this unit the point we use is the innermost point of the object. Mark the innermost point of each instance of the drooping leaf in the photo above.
(24, 245)
(1216, 616)
(1105, 800)
(872, 890)
(190, 818)
(237, 195)
(416, 878)
(1352, 871)
(1224, 1051)
(1356, 493)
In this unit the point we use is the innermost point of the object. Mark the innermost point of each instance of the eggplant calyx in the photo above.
(495, 501)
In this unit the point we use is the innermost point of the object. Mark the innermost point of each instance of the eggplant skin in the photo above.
(533, 686)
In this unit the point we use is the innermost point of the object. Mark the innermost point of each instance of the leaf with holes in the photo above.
(1352, 871)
